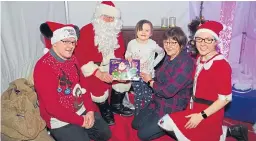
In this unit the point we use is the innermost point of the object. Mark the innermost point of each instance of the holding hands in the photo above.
(104, 76)
(129, 59)
(145, 77)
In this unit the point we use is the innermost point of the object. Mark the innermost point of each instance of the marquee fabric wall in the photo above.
(21, 43)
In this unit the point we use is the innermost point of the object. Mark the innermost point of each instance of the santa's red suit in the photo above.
(96, 57)
(91, 59)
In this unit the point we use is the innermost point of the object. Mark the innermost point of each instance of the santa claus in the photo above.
(100, 41)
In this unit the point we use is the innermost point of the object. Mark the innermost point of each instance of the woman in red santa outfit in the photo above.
(202, 121)
(100, 41)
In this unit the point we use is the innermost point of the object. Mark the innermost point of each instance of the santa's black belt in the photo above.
(202, 101)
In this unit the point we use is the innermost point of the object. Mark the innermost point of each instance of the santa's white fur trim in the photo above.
(63, 33)
(167, 124)
(208, 31)
(108, 10)
(225, 97)
(122, 87)
(89, 68)
(100, 99)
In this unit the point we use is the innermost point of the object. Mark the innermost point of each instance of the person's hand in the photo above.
(145, 77)
(194, 120)
(129, 59)
(88, 120)
(104, 76)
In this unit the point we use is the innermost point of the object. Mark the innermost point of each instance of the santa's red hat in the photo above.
(54, 32)
(108, 8)
(211, 27)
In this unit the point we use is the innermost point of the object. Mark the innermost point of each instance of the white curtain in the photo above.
(21, 41)
(22, 44)
(248, 57)
(81, 12)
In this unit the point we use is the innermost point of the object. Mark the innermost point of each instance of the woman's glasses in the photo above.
(170, 43)
(206, 40)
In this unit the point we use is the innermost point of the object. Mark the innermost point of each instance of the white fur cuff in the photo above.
(89, 68)
(100, 99)
(225, 97)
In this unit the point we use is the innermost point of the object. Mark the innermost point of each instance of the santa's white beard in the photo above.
(106, 35)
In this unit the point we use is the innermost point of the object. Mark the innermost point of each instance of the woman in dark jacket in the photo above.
(172, 85)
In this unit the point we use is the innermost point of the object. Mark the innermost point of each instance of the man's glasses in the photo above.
(206, 40)
(168, 43)
(69, 42)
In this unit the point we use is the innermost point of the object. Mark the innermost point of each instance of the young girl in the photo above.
(143, 48)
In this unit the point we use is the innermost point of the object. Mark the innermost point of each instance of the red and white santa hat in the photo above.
(108, 8)
(54, 32)
(211, 27)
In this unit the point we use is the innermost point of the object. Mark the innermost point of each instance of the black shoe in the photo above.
(239, 132)
(106, 112)
(116, 103)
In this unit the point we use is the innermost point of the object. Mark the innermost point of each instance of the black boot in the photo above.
(172, 135)
(116, 103)
(239, 132)
(106, 112)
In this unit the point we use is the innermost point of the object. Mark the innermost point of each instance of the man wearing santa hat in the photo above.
(64, 99)
(100, 41)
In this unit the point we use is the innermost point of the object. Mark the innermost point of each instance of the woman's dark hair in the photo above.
(139, 26)
(177, 34)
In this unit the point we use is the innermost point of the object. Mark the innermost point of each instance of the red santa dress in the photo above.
(91, 59)
(212, 81)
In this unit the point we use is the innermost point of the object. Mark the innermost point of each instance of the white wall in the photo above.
(80, 13)
(21, 43)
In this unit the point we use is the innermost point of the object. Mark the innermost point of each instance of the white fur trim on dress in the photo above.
(63, 33)
(167, 124)
(55, 123)
(225, 97)
(89, 68)
(209, 64)
(224, 133)
(100, 99)
(208, 31)
(122, 87)
(108, 10)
